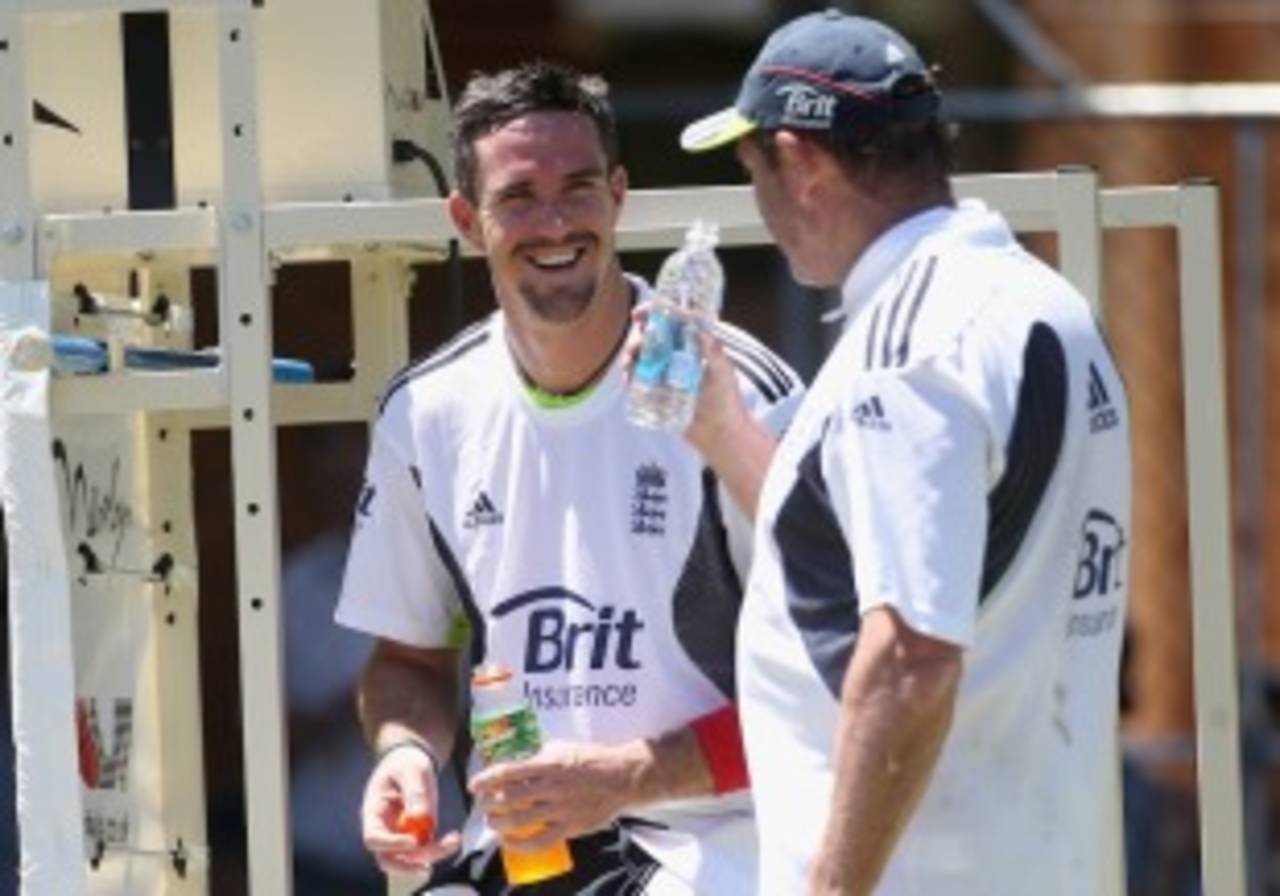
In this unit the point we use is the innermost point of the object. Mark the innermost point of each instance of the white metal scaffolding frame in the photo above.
(1066, 202)
(244, 304)
(243, 235)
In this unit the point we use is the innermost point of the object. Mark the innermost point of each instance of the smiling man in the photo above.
(599, 561)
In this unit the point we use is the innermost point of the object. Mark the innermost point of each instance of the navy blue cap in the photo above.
(824, 71)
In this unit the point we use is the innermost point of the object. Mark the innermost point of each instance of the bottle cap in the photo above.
(494, 689)
(489, 675)
(703, 233)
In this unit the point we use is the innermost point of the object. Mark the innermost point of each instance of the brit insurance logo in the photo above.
(482, 512)
(806, 106)
(566, 633)
(649, 501)
(1102, 413)
(1100, 571)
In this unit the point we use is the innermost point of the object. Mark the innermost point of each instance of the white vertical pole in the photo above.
(1078, 212)
(1075, 201)
(17, 213)
(245, 315)
(1250, 455)
(380, 285)
(380, 288)
(1213, 608)
(49, 807)
(166, 469)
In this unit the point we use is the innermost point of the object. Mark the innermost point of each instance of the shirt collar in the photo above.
(611, 383)
(885, 253)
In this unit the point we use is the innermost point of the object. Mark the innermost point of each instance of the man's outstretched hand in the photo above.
(399, 813)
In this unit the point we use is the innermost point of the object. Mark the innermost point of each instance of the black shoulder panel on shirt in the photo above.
(782, 378)
(473, 336)
(708, 596)
(770, 376)
(822, 596)
(753, 373)
(478, 647)
(475, 655)
(1035, 443)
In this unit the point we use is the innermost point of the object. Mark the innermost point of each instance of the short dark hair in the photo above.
(490, 101)
(920, 151)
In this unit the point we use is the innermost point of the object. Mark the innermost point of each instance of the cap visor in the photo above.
(715, 131)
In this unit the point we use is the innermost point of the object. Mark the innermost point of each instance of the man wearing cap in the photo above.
(928, 651)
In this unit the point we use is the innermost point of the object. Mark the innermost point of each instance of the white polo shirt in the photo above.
(962, 457)
(601, 561)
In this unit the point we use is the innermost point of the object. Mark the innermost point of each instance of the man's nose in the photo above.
(553, 217)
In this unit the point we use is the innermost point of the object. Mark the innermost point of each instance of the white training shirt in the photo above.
(599, 560)
(962, 457)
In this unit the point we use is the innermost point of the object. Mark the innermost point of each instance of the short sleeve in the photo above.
(395, 585)
(906, 461)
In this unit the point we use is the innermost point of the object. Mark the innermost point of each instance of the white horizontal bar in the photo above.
(1216, 101)
(137, 391)
(657, 219)
(304, 405)
(1026, 200)
(33, 7)
(319, 223)
(1140, 207)
(652, 219)
(663, 209)
(126, 233)
(325, 403)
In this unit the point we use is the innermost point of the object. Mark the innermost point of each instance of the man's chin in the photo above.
(558, 304)
(813, 280)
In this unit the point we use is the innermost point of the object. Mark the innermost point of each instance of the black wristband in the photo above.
(412, 742)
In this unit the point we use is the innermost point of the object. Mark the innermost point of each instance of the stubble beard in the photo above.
(559, 304)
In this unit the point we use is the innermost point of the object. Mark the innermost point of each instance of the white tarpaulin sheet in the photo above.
(50, 814)
(81, 596)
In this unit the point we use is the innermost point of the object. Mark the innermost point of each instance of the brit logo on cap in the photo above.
(807, 106)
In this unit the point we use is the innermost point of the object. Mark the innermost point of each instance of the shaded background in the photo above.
(671, 60)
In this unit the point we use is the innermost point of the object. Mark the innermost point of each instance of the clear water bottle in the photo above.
(668, 373)
(505, 728)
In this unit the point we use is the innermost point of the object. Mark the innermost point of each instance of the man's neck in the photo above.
(866, 219)
(563, 359)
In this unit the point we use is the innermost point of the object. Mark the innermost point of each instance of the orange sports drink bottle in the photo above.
(504, 728)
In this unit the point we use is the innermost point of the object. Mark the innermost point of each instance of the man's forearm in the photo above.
(668, 767)
(740, 459)
(896, 708)
(406, 694)
(736, 445)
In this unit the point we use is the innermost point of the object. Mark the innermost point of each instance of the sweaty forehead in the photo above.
(539, 145)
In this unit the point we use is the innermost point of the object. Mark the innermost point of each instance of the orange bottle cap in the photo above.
(486, 676)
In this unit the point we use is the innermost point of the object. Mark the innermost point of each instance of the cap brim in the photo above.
(716, 130)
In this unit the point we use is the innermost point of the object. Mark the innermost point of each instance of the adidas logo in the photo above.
(869, 414)
(1102, 414)
(483, 512)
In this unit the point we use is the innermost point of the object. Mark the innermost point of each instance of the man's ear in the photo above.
(804, 167)
(618, 181)
(466, 219)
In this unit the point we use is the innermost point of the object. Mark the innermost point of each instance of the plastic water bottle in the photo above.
(668, 373)
(504, 728)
